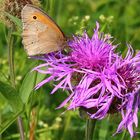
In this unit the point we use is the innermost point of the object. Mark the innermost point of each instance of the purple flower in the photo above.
(99, 80)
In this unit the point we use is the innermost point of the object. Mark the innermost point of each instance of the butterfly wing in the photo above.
(41, 34)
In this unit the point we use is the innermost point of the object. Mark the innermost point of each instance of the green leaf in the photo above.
(28, 84)
(4, 125)
(13, 99)
(14, 19)
(11, 96)
(16, 33)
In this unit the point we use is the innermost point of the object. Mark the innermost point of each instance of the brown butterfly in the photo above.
(41, 34)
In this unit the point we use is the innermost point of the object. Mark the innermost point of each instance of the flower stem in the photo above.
(123, 135)
(31, 110)
(20, 126)
(90, 126)
(12, 76)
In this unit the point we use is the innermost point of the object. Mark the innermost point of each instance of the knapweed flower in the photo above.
(98, 79)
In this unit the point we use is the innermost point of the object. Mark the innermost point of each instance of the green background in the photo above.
(119, 18)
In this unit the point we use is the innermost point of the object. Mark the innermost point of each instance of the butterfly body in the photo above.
(41, 35)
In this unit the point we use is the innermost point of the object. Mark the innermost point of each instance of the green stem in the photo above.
(123, 135)
(67, 124)
(107, 126)
(20, 126)
(90, 126)
(52, 5)
(12, 76)
(32, 95)
(104, 27)
(60, 5)
(11, 60)
(32, 100)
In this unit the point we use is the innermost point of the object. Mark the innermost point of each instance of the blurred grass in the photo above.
(120, 18)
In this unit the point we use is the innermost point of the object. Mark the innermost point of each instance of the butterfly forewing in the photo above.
(41, 34)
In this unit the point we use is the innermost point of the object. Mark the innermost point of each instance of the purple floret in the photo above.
(99, 80)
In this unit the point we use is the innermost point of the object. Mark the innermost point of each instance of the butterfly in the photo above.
(41, 35)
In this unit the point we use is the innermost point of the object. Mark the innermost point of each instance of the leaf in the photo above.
(28, 84)
(11, 96)
(16, 33)
(13, 99)
(15, 20)
(4, 125)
